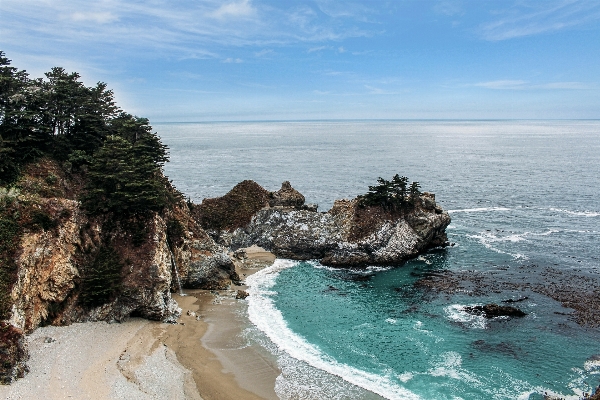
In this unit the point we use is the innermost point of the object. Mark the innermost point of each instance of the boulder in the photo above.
(287, 196)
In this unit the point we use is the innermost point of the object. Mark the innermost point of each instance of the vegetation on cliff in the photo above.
(391, 195)
(60, 139)
(82, 128)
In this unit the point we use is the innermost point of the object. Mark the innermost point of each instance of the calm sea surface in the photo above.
(520, 193)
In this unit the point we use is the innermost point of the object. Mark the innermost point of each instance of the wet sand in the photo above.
(203, 356)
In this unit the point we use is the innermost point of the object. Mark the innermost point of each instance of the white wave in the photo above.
(377, 268)
(457, 313)
(425, 260)
(263, 313)
(577, 213)
(592, 365)
(391, 321)
(482, 209)
(406, 376)
(487, 238)
(450, 366)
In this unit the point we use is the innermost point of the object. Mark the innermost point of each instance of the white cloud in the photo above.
(341, 49)
(102, 17)
(540, 17)
(236, 10)
(502, 84)
(263, 53)
(233, 60)
(376, 90)
(161, 29)
(524, 85)
(318, 48)
(564, 86)
(450, 8)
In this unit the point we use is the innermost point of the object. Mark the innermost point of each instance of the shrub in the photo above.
(102, 280)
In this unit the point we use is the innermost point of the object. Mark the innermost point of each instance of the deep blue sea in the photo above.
(523, 195)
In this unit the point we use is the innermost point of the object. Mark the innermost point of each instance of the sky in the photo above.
(230, 60)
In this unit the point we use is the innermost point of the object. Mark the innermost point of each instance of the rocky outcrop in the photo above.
(13, 353)
(52, 270)
(348, 234)
(52, 262)
(234, 209)
(287, 196)
(204, 264)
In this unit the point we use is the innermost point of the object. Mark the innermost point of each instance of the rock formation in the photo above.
(287, 196)
(346, 235)
(50, 271)
(494, 310)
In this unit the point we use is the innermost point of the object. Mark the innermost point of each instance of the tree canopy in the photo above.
(391, 195)
(59, 117)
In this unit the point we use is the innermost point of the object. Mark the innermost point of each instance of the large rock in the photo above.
(204, 264)
(347, 235)
(287, 196)
(52, 261)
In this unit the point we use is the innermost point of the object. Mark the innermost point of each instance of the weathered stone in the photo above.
(287, 196)
(241, 294)
(331, 237)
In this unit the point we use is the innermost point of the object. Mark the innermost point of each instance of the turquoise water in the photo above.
(523, 195)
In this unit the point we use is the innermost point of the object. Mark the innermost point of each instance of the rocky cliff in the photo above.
(347, 235)
(60, 265)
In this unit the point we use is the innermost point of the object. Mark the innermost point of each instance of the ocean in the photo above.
(523, 197)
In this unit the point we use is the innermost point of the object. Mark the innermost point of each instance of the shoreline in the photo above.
(203, 356)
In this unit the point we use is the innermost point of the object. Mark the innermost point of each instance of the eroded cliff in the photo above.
(62, 265)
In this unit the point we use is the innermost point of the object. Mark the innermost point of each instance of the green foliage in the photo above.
(62, 118)
(391, 195)
(9, 235)
(125, 178)
(175, 232)
(101, 280)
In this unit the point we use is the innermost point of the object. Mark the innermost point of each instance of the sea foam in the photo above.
(266, 317)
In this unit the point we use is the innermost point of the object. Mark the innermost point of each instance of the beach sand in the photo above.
(203, 356)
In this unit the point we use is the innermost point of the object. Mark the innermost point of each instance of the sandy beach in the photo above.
(204, 356)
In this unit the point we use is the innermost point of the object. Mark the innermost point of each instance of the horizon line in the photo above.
(374, 120)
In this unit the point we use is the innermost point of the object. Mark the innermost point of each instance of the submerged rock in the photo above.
(494, 310)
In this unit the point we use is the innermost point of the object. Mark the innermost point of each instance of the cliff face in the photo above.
(64, 266)
(347, 235)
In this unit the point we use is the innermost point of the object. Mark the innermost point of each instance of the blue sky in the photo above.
(207, 60)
